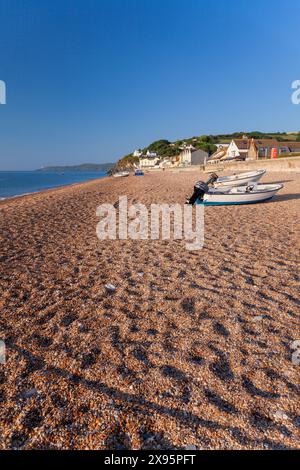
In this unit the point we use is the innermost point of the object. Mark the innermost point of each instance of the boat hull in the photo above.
(236, 203)
(241, 179)
(239, 196)
(121, 175)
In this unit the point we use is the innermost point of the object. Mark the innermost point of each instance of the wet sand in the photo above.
(192, 350)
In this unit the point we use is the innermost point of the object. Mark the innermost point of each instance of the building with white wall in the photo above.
(191, 156)
(150, 160)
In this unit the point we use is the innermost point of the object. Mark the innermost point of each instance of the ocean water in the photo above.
(16, 183)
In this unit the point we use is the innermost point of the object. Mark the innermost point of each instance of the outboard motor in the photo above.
(213, 177)
(200, 189)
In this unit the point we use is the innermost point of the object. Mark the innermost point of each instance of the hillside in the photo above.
(87, 167)
(165, 148)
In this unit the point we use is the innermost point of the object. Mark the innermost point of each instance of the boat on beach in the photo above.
(121, 174)
(240, 179)
(138, 172)
(250, 194)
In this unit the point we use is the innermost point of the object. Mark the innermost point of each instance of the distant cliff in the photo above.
(88, 167)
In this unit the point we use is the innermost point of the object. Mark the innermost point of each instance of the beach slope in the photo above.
(191, 349)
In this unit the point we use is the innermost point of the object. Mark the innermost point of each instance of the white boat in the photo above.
(250, 194)
(121, 174)
(240, 179)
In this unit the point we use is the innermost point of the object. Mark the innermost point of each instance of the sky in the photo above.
(92, 80)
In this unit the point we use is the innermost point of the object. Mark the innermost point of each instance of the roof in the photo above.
(267, 143)
(276, 143)
(242, 144)
(200, 151)
(291, 145)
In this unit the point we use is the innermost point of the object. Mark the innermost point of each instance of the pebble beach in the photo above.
(188, 350)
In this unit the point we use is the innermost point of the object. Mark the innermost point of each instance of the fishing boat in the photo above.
(250, 194)
(241, 179)
(138, 172)
(121, 174)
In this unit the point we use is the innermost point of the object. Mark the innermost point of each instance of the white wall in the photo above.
(148, 162)
(233, 150)
(186, 156)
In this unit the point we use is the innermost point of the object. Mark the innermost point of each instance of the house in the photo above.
(263, 148)
(137, 153)
(169, 162)
(166, 163)
(219, 153)
(191, 156)
(294, 147)
(238, 148)
(252, 149)
(150, 160)
(151, 154)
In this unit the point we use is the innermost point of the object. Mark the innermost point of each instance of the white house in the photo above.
(191, 156)
(253, 149)
(238, 148)
(151, 154)
(186, 154)
(150, 160)
(137, 153)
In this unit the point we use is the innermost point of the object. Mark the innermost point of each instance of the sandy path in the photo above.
(193, 351)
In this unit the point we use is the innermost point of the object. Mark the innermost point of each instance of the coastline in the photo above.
(192, 348)
(17, 196)
(22, 183)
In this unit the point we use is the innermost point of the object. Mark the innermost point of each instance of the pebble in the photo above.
(295, 344)
(258, 318)
(30, 393)
(140, 274)
(279, 414)
(191, 447)
(110, 287)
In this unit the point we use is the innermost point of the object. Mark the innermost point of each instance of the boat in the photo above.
(241, 179)
(138, 172)
(121, 174)
(250, 194)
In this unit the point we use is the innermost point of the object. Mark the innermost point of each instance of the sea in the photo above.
(17, 183)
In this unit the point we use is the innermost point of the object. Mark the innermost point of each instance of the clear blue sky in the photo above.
(91, 80)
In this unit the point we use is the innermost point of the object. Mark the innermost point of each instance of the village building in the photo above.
(253, 149)
(263, 148)
(149, 160)
(191, 156)
(137, 153)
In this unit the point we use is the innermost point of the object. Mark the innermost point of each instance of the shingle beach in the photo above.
(191, 349)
